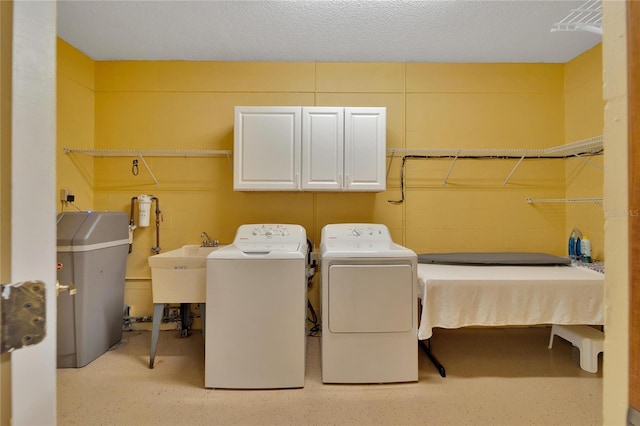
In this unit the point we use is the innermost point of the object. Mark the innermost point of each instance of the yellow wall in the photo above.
(189, 105)
(483, 106)
(584, 118)
(75, 124)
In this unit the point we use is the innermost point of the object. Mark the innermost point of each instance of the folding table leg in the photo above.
(426, 347)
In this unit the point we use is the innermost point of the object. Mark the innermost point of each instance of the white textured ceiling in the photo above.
(323, 30)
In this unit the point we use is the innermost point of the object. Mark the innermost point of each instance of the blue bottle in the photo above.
(574, 244)
(572, 247)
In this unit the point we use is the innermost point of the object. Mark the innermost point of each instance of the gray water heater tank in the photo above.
(92, 255)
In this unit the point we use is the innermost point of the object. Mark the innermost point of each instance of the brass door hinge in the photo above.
(23, 314)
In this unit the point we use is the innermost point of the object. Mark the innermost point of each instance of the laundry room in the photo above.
(503, 156)
(140, 106)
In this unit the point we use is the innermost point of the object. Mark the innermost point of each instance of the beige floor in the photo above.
(494, 377)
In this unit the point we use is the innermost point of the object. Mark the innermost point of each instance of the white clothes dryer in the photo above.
(369, 306)
(256, 295)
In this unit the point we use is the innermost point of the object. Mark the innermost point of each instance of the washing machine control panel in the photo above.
(270, 233)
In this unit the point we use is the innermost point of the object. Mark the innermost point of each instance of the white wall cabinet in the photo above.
(309, 149)
(267, 149)
(322, 148)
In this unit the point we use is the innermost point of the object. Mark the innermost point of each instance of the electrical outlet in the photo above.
(65, 193)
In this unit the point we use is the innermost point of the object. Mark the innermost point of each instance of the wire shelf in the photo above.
(585, 146)
(564, 200)
(587, 17)
(149, 152)
(142, 153)
(577, 149)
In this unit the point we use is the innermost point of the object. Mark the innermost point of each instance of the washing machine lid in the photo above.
(256, 251)
(269, 241)
(257, 247)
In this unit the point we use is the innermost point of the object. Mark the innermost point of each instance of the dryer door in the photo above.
(370, 298)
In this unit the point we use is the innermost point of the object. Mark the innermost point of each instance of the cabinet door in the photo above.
(322, 148)
(266, 154)
(365, 149)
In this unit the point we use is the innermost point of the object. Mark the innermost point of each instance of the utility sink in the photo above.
(179, 276)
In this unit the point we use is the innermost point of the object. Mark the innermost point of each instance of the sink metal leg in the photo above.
(158, 309)
(185, 311)
(203, 319)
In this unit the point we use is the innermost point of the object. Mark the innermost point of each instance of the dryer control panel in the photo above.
(356, 232)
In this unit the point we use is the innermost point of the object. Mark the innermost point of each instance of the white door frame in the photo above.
(33, 204)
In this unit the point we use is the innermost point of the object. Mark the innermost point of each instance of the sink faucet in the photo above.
(208, 242)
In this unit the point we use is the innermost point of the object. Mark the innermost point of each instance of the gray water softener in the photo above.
(92, 255)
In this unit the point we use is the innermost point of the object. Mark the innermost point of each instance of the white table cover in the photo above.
(456, 296)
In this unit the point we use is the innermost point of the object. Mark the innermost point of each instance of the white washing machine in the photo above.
(369, 306)
(256, 309)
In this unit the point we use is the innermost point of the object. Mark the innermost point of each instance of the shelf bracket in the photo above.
(149, 169)
(597, 166)
(444, 182)
(393, 154)
(514, 169)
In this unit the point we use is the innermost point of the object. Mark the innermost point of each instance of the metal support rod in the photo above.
(149, 169)
(132, 224)
(426, 347)
(514, 169)
(156, 249)
(393, 154)
(185, 312)
(597, 166)
(444, 182)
